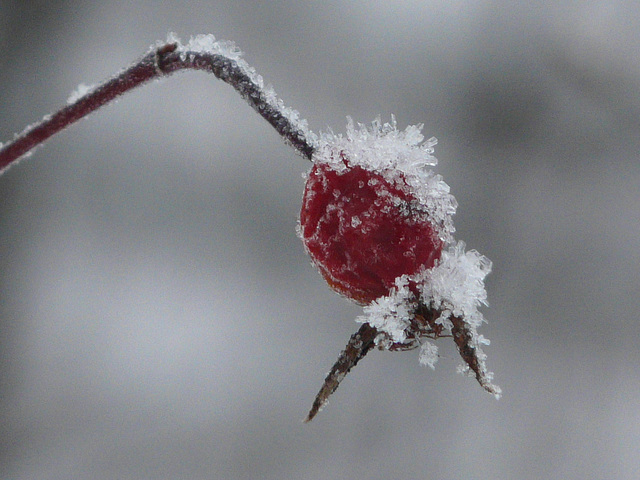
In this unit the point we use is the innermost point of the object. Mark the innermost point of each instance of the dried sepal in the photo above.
(468, 343)
(359, 345)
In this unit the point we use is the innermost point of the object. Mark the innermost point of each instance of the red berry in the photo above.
(363, 229)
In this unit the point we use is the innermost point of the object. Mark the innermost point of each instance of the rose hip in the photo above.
(363, 230)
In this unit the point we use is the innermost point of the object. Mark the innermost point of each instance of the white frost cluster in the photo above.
(209, 44)
(391, 314)
(456, 284)
(428, 354)
(80, 91)
(402, 157)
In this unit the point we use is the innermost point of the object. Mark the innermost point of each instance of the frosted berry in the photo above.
(363, 229)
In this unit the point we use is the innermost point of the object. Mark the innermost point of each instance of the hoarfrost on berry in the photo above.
(361, 223)
(402, 157)
(377, 221)
(392, 314)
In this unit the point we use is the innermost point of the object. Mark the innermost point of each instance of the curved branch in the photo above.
(163, 61)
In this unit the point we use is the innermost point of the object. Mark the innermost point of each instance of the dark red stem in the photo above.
(161, 62)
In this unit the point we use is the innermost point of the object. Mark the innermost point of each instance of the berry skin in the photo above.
(363, 230)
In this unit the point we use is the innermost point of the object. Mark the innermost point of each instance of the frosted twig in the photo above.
(162, 61)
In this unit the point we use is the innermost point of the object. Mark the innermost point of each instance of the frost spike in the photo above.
(359, 345)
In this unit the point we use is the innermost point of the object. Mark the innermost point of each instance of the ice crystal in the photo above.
(456, 283)
(392, 314)
(80, 91)
(428, 354)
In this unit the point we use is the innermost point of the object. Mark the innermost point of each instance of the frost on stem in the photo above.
(202, 52)
(233, 69)
(80, 91)
(377, 223)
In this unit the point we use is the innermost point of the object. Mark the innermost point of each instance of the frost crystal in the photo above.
(456, 283)
(392, 314)
(80, 91)
(428, 354)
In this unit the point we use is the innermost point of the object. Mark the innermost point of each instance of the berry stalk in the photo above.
(202, 53)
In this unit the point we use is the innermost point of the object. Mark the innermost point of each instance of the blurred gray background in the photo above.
(159, 318)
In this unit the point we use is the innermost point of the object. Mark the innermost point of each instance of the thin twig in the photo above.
(161, 62)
